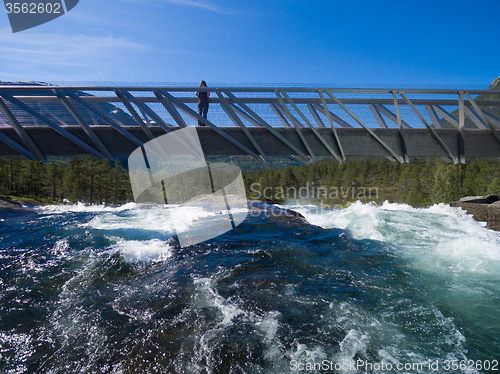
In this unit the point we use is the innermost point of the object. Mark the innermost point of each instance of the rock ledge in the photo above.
(483, 209)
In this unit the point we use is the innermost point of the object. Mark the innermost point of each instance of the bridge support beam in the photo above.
(431, 130)
(434, 117)
(219, 131)
(232, 114)
(55, 127)
(327, 113)
(271, 129)
(18, 148)
(113, 123)
(483, 117)
(461, 129)
(400, 124)
(278, 110)
(295, 124)
(318, 135)
(391, 151)
(78, 118)
(330, 120)
(134, 114)
(33, 152)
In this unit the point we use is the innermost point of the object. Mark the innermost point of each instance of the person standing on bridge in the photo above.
(202, 102)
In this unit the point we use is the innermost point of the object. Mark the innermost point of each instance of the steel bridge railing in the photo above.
(61, 107)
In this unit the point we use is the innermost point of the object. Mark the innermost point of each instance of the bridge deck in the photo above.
(404, 125)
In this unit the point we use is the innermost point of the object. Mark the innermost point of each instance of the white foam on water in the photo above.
(23, 347)
(186, 216)
(360, 219)
(81, 207)
(146, 218)
(454, 257)
(302, 354)
(229, 312)
(439, 237)
(147, 251)
(152, 219)
(394, 343)
(209, 296)
(61, 248)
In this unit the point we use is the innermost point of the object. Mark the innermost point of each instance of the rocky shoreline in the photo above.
(483, 209)
(17, 205)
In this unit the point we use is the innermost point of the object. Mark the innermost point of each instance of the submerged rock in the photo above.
(217, 202)
(9, 208)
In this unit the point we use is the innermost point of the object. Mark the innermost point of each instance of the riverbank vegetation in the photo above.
(83, 179)
(418, 184)
(93, 181)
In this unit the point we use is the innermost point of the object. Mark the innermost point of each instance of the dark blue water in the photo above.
(102, 290)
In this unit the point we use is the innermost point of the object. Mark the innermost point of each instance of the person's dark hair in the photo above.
(203, 84)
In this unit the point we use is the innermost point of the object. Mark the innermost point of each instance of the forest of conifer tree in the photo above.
(92, 181)
(76, 179)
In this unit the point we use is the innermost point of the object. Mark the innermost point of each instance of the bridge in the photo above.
(40, 120)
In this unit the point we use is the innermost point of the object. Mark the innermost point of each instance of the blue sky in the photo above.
(355, 42)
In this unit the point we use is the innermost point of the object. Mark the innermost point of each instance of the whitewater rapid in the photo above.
(95, 288)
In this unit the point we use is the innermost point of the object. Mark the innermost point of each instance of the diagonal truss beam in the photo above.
(475, 118)
(196, 116)
(278, 111)
(171, 110)
(93, 118)
(493, 120)
(329, 114)
(78, 118)
(165, 126)
(315, 131)
(134, 114)
(330, 121)
(346, 109)
(245, 115)
(17, 147)
(378, 117)
(447, 116)
(112, 122)
(393, 117)
(192, 148)
(295, 124)
(315, 115)
(266, 125)
(21, 132)
(56, 117)
(290, 115)
(399, 122)
(483, 117)
(80, 143)
(434, 117)
(431, 130)
(234, 117)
